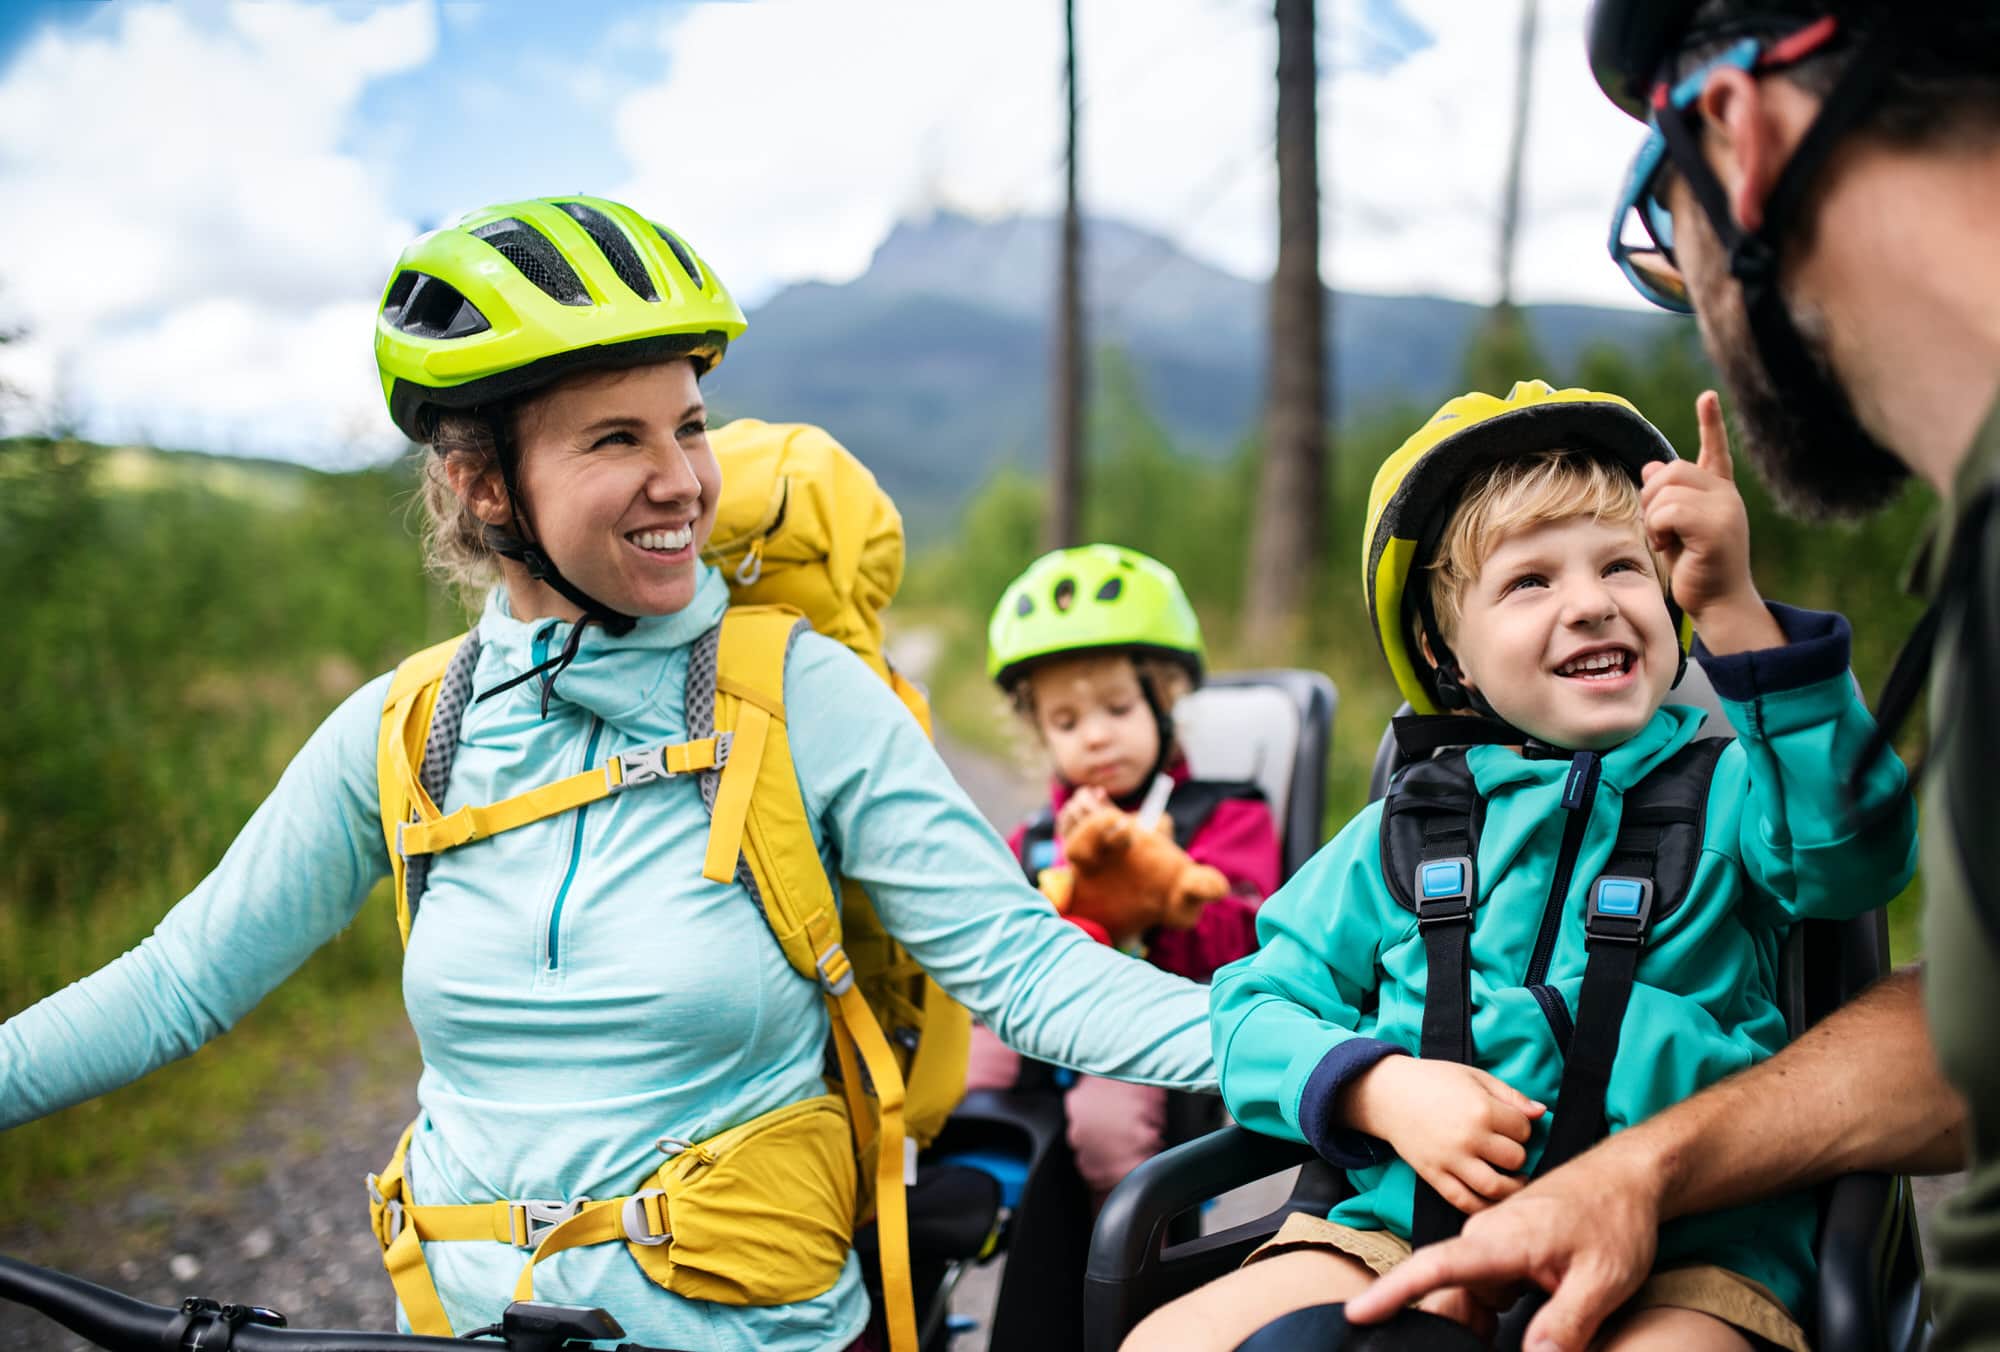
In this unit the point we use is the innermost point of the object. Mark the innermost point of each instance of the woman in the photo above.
(582, 996)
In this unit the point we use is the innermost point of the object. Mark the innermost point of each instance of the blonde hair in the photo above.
(1531, 490)
(455, 548)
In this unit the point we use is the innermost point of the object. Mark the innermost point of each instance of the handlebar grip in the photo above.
(107, 1318)
(260, 1338)
(120, 1323)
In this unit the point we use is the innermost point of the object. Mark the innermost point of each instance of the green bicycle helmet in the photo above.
(1091, 597)
(510, 297)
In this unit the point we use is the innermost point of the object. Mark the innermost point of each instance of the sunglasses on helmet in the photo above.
(1642, 229)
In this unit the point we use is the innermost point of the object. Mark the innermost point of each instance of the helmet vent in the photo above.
(688, 265)
(618, 250)
(1111, 589)
(399, 293)
(1064, 595)
(529, 250)
(425, 307)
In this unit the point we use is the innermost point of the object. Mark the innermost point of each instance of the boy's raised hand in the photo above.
(1695, 519)
(1461, 1129)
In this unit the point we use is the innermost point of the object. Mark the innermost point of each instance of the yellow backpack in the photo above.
(803, 533)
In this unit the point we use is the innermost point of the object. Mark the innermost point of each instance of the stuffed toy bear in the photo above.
(1122, 880)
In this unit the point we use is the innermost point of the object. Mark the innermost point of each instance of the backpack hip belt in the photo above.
(761, 1214)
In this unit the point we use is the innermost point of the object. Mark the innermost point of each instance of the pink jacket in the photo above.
(1239, 839)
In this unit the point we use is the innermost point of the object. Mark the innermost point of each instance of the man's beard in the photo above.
(1815, 455)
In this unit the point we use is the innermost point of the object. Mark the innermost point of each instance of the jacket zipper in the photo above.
(1579, 793)
(577, 847)
(1557, 1013)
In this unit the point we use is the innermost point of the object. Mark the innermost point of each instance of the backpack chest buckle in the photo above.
(644, 765)
(528, 1222)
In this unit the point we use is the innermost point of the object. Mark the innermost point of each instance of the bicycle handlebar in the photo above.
(120, 1323)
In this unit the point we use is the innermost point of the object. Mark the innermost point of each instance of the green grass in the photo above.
(177, 628)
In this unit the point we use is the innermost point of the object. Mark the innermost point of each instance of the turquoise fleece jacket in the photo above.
(578, 989)
(1339, 981)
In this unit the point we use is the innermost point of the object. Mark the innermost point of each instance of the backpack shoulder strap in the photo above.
(736, 684)
(1660, 832)
(410, 771)
(760, 837)
(1430, 842)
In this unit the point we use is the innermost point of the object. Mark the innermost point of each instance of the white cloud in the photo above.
(787, 136)
(201, 248)
(194, 238)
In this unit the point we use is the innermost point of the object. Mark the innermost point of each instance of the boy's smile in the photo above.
(1567, 634)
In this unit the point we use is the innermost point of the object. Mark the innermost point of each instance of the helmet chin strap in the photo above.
(1163, 721)
(519, 546)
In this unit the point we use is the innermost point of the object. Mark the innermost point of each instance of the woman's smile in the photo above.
(664, 544)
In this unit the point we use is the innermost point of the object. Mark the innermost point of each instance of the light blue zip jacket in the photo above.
(578, 988)
(1340, 979)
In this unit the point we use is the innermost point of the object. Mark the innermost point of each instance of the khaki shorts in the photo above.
(1737, 1301)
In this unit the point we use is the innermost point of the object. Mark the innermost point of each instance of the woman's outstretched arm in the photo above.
(291, 880)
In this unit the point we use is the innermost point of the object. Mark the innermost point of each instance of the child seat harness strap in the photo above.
(1429, 844)
(1430, 838)
(1652, 865)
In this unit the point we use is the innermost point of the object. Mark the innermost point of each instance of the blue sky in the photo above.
(538, 82)
(208, 195)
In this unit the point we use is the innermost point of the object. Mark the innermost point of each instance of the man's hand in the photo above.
(1695, 519)
(1457, 1126)
(1860, 1089)
(1587, 1233)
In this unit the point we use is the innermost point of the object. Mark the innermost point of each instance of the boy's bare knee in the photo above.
(1219, 1316)
(1667, 1328)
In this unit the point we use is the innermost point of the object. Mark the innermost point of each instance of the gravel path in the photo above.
(279, 1219)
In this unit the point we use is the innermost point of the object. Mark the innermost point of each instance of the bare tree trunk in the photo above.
(1286, 532)
(1510, 206)
(1066, 448)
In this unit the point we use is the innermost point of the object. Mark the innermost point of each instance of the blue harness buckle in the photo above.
(1443, 891)
(1620, 909)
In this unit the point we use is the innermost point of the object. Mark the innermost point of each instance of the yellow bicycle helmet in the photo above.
(510, 297)
(1418, 485)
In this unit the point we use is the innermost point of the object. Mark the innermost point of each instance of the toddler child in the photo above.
(1094, 645)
